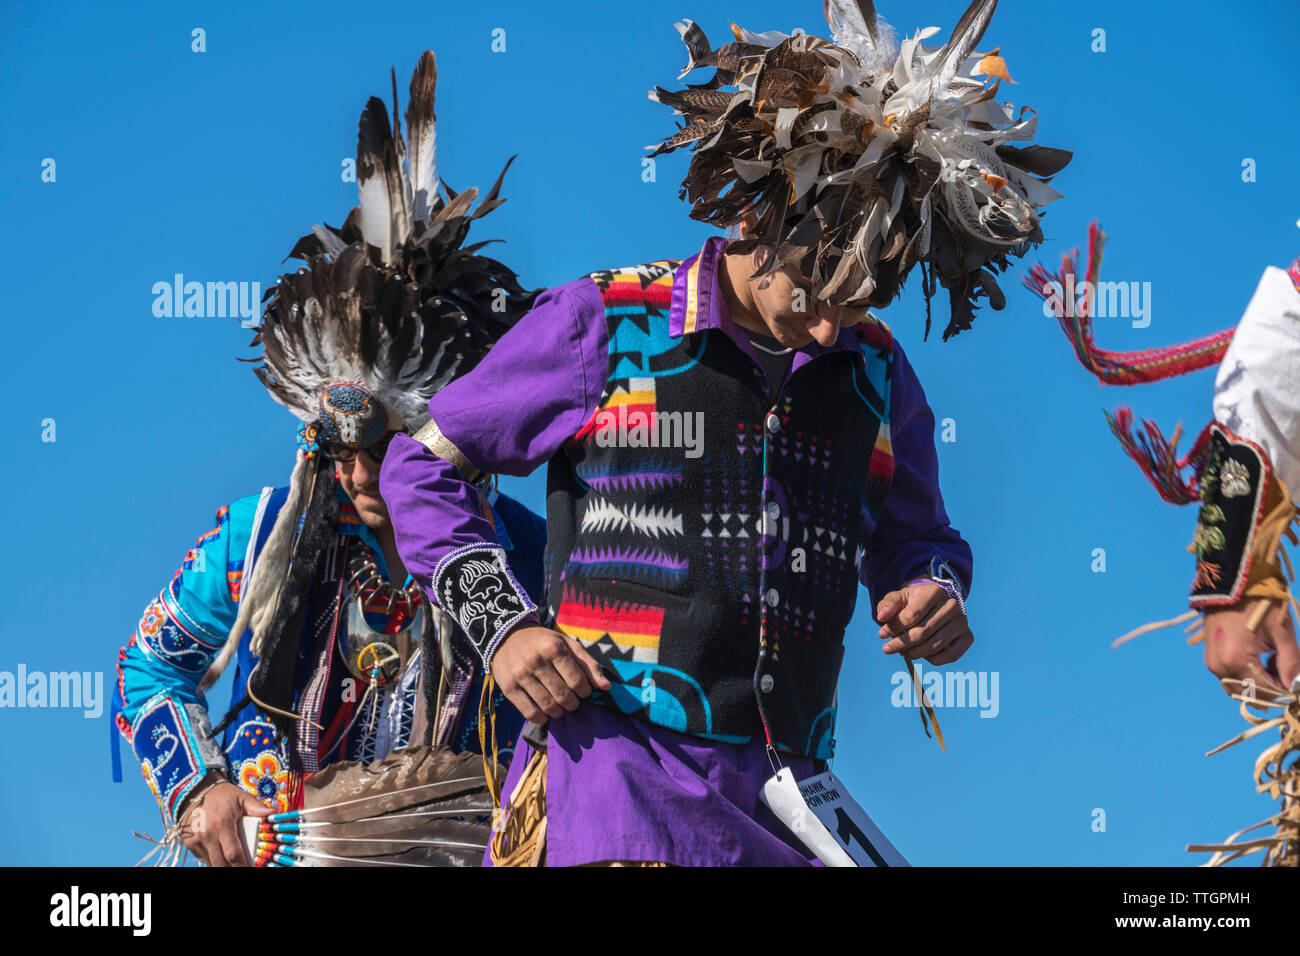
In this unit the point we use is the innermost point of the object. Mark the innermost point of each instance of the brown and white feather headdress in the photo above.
(393, 300)
(862, 156)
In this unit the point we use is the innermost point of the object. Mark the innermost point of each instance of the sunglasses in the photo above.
(343, 454)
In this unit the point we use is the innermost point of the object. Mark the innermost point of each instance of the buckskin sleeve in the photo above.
(532, 392)
(914, 538)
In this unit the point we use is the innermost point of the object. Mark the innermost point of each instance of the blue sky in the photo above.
(211, 164)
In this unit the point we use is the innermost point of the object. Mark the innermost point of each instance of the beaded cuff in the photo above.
(175, 750)
(1233, 481)
(474, 585)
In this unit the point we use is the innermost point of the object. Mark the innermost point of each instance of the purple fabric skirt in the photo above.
(618, 788)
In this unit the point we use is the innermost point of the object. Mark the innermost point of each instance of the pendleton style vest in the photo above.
(704, 543)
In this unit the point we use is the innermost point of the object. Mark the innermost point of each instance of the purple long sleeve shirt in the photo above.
(533, 391)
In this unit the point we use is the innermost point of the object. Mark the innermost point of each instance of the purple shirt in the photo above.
(532, 392)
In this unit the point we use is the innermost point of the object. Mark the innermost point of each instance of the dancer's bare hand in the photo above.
(210, 829)
(545, 673)
(922, 620)
(1233, 651)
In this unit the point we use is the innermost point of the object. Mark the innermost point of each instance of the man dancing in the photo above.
(733, 444)
(339, 655)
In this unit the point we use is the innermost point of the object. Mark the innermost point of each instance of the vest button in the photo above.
(773, 510)
(766, 683)
(773, 599)
(773, 423)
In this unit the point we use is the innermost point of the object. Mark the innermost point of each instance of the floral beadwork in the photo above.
(1234, 479)
(309, 439)
(264, 778)
(152, 621)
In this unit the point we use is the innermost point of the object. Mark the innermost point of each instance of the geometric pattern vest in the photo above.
(703, 541)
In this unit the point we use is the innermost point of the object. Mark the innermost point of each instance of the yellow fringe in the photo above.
(487, 728)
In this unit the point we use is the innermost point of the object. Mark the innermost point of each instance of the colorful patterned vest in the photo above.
(704, 543)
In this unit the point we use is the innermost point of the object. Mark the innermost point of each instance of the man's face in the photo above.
(790, 312)
(360, 480)
(786, 306)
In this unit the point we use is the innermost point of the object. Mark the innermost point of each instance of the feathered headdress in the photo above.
(862, 156)
(393, 301)
(388, 309)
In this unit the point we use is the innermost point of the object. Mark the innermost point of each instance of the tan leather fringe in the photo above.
(1277, 773)
(520, 838)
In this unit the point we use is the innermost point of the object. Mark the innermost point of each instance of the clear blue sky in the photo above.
(211, 164)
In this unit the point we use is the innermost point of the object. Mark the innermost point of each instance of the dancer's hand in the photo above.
(922, 620)
(545, 673)
(1233, 651)
(210, 827)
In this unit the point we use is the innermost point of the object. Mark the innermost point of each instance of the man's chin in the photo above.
(372, 510)
(792, 338)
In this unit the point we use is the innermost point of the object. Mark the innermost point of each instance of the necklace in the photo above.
(368, 585)
(369, 653)
(763, 348)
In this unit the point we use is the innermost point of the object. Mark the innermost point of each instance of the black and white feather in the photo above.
(393, 300)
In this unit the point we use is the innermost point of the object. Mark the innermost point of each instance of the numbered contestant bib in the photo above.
(828, 821)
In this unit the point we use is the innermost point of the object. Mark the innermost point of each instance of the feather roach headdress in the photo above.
(393, 301)
(862, 156)
(388, 309)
